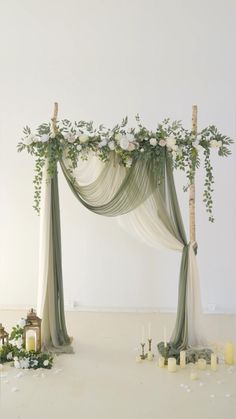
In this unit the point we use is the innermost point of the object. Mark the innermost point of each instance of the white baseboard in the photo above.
(78, 308)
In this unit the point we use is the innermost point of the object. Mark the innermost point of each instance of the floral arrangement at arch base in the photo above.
(14, 352)
(77, 140)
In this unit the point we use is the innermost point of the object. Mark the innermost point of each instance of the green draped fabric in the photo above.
(133, 187)
(55, 333)
(117, 190)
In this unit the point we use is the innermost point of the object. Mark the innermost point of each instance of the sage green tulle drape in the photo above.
(116, 191)
(55, 336)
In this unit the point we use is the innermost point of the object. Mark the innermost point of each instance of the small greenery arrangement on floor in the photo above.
(77, 140)
(14, 352)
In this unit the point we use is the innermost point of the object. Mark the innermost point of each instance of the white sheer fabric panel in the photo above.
(145, 224)
(87, 171)
(44, 241)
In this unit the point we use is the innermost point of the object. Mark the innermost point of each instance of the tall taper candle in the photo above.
(165, 340)
(142, 337)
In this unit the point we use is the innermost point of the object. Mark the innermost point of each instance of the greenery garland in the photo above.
(14, 352)
(77, 140)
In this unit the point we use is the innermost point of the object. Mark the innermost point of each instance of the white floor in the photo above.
(103, 381)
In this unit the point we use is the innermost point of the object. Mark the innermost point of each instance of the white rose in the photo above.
(102, 143)
(19, 343)
(175, 148)
(130, 137)
(70, 137)
(199, 147)
(170, 141)
(142, 150)
(129, 163)
(21, 322)
(124, 143)
(153, 141)
(9, 356)
(118, 136)
(25, 363)
(79, 147)
(111, 145)
(214, 143)
(44, 138)
(162, 143)
(195, 143)
(83, 138)
(131, 147)
(30, 139)
(17, 364)
(46, 362)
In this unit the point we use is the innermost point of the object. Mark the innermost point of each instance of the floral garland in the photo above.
(14, 351)
(77, 140)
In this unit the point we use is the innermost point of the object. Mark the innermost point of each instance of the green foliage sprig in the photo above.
(77, 140)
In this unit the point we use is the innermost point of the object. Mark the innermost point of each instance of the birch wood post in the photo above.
(54, 118)
(192, 224)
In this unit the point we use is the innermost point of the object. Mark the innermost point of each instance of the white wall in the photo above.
(102, 60)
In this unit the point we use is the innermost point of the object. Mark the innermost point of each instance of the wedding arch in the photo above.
(124, 173)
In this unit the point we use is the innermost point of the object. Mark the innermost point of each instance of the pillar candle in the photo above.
(171, 364)
(229, 353)
(30, 343)
(213, 362)
(150, 356)
(182, 359)
(201, 364)
(161, 362)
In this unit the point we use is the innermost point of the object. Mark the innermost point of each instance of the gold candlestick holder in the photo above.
(143, 355)
(149, 354)
(149, 345)
(165, 354)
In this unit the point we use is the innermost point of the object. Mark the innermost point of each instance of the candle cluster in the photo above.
(148, 355)
(171, 361)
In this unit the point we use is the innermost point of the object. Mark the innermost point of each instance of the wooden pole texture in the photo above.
(54, 118)
(192, 224)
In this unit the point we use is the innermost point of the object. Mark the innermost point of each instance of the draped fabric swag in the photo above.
(144, 200)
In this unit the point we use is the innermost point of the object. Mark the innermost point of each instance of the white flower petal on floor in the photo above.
(19, 375)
